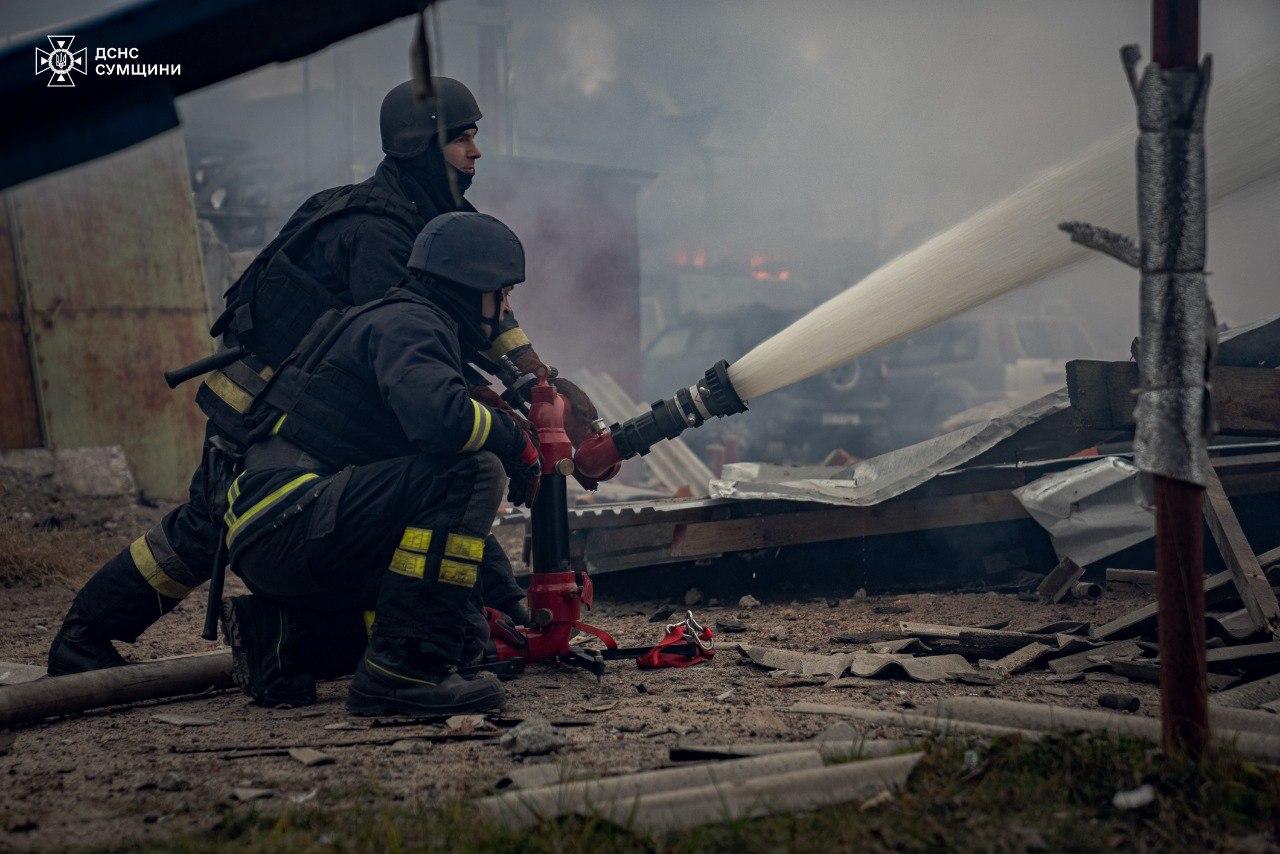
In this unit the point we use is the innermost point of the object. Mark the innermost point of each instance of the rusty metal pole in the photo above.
(1167, 246)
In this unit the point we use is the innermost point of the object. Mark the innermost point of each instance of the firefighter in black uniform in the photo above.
(378, 475)
(344, 246)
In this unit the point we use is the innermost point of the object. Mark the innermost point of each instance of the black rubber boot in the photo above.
(266, 662)
(79, 647)
(387, 683)
(115, 604)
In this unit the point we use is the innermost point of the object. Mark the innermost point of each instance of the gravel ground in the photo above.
(123, 775)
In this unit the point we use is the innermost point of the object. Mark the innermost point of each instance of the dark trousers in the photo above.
(332, 549)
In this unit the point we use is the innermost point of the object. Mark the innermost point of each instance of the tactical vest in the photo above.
(275, 302)
(330, 414)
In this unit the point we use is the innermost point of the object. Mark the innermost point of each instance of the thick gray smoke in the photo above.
(827, 137)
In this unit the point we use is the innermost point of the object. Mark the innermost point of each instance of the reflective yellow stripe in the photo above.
(146, 563)
(231, 393)
(416, 540)
(279, 423)
(462, 546)
(277, 494)
(369, 617)
(506, 342)
(408, 563)
(456, 572)
(480, 427)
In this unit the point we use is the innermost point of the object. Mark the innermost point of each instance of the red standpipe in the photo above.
(557, 593)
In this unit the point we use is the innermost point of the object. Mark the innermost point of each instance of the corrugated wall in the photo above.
(106, 259)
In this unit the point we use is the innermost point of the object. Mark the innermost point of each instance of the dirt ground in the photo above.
(123, 774)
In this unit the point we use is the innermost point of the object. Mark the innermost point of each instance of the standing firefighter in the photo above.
(377, 476)
(344, 246)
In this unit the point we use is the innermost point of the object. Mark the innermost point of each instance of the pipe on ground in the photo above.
(1037, 716)
(526, 807)
(32, 702)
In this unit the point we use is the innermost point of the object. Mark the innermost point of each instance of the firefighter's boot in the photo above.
(267, 662)
(116, 604)
(393, 681)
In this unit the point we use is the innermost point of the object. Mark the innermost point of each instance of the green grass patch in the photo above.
(1011, 795)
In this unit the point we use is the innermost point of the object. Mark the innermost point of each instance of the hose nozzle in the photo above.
(711, 397)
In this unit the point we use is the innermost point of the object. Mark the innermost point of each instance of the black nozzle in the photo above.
(668, 418)
(717, 391)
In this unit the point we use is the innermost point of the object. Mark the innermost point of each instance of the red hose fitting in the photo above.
(597, 458)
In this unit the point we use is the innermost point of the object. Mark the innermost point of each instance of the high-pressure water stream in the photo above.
(1011, 243)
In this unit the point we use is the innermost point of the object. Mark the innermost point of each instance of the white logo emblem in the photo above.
(61, 61)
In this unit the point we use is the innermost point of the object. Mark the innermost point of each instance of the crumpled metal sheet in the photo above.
(1091, 510)
(888, 475)
(1173, 414)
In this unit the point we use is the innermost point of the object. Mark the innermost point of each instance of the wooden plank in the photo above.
(1246, 400)
(892, 517)
(1255, 592)
(1142, 577)
(1132, 623)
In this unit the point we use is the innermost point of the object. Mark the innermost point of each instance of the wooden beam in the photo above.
(1251, 581)
(840, 523)
(1246, 400)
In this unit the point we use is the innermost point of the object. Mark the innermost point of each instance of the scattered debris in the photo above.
(1250, 695)
(244, 794)
(410, 745)
(533, 737)
(893, 608)
(877, 800)
(724, 695)
(748, 602)
(171, 782)
(1056, 691)
(781, 634)
(662, 614)
(12, 673)
(183, 720)
(467, 723)
(1100, 657)
(310, 757)
(693, 597)
(730, 627)
(1021, 659)
(596, 708)
(1134, 798)
(1120, 702)
(930, 668)
(1058, 584)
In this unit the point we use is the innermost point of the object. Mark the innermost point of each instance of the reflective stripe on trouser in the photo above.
(159, 565)
(430, 585)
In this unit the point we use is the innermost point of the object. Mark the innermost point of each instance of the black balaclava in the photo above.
(431, 172)
(463, 305)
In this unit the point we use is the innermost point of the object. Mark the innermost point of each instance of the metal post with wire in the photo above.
(1174, 413)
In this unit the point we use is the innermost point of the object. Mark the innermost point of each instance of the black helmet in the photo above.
(408, 124)
(472, 250)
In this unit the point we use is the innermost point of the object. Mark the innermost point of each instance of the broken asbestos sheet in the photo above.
(928, 668)
(888, 475)
(1092, 510)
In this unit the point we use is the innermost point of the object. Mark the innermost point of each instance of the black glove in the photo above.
(516, 610)
(525, 472)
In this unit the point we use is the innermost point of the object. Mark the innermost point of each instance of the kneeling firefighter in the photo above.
(344, 246)
(375, 476)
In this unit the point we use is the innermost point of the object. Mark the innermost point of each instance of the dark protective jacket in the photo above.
(345, 246)
(383, 380)
(376, 382)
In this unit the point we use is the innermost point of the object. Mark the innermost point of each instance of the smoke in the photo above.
(830, 135)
